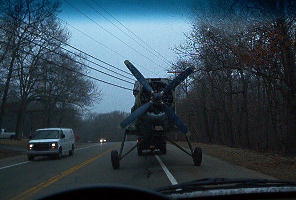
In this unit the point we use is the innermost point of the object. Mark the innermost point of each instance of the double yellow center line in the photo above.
(28, 193)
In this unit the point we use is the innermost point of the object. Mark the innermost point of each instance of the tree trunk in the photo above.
(288, 61)
(20, 119)
(6, 88)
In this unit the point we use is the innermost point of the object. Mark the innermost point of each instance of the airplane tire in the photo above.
(115, 159)
(197, 156)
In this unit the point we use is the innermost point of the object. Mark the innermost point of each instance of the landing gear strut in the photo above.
(196, 153)
(116, 157)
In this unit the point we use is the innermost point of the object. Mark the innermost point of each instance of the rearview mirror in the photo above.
(63, 135)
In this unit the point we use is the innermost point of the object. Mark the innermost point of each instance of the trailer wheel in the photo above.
(163, 149)
(115, 159)
(30, 157)
(197, 156)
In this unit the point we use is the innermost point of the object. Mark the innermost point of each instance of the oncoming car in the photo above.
(54, 142)
(102, 140)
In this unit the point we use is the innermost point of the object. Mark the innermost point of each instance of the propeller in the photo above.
(179, 79)
(174, 118)
(136, 114)
(138, 76)
(156, 97)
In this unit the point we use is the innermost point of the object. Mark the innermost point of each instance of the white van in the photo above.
(54, 142)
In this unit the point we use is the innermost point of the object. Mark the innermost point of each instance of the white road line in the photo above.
(25, 162)
(166, 171)
(21, 163)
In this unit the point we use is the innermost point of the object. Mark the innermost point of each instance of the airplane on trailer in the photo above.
(153, 117)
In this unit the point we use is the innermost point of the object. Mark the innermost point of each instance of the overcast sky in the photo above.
(160, 25)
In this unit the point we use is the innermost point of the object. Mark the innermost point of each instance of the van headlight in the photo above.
(54, 145)
(31, 146)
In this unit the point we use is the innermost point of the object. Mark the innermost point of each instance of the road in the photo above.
(22, 179)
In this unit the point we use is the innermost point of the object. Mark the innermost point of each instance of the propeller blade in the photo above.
(135, 115)
(138, 76)
(179, 79)
(173, 117)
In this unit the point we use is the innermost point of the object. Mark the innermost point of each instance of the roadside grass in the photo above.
(278, 166)
(22, 142)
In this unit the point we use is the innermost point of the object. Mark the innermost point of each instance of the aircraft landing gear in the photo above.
(196, 154)
(116, 157)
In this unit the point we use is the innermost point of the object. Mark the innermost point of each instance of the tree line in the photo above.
(102, 125)
(243, 93)
(39, 80)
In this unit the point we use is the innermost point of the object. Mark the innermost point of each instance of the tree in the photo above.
(244, 88)
(45, 78)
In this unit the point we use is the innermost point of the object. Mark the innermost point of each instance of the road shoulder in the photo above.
(271, 164)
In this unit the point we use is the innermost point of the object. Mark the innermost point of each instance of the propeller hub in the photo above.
(156, 98)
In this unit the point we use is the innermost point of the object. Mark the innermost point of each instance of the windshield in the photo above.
(46, 134)
(147, 93)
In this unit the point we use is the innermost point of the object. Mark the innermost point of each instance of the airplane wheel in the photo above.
(197, 156)
(115, 159)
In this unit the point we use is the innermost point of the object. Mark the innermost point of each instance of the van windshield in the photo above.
(46, 134)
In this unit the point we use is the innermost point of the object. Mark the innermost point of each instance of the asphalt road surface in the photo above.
(91, 165)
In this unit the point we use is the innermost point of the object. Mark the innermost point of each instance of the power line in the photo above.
(129, 30)
(88, 59)
(128, 35)
(78, 10)
(63, 55)
(71, 46)
(78, 62)
(90, 37)
(91, 77)
(97, 64)
(90, 54)
(93, 39)
(69, 69)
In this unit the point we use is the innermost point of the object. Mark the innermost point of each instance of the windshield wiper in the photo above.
(222, 183)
